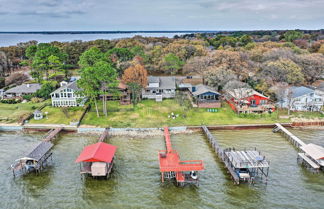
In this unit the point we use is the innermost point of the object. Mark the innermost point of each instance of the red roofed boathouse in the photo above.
(97, 159)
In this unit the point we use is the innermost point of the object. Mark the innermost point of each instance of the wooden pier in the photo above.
(184, 172)
(291, 137)
(38, 158)
(104, 135)
(242, 165)
(312, 155)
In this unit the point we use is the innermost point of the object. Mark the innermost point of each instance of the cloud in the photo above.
(45, 8)
(161, 14)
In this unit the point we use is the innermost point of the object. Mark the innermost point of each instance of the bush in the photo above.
(36, 100)
(27, 97)
(10, 101)
(46, 89)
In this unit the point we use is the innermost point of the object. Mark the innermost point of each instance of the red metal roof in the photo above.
(99, 152)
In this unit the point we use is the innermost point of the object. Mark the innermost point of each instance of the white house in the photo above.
(67, 96)
(303, 99)
(159, 88)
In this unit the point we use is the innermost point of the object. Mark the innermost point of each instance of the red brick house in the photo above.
(246, 100)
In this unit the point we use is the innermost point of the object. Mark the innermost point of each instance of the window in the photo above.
(318, 99)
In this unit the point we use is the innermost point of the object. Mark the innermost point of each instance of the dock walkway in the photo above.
(219, 151)
(311, 155)
(237, 161)
(171, 166)
(104, 135)
(291, 137)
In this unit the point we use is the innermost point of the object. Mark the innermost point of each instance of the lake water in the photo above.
(13, 39)
(135, 181)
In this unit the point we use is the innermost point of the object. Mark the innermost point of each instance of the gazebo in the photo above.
(97, 159)
(38, 115)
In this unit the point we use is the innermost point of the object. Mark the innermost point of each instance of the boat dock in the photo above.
(242, 165)
(184, 172)
(104, 135)
(37, 159)
(291, 137)
(312, 155)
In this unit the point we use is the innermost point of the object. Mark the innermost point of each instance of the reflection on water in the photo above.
(136, 181)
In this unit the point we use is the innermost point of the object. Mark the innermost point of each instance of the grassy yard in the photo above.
(12, 113)
(57, 116)
(155, 114)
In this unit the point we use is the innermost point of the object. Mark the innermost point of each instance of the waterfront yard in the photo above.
(57, 115)
(13, 113)
(149, 113)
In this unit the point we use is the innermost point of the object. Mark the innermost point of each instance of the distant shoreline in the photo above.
(102, 32)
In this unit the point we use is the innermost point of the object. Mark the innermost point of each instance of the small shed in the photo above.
(97, 159)
(38, 115)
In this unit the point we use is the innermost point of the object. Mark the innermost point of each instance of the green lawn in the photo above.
(155, 114)
(57, 116)
(12, 113)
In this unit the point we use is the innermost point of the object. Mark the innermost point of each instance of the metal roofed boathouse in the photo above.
(38, 158)
(244, 166)
(184, 172)
(97, 159)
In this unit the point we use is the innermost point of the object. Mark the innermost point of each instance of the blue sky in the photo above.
(42, 15)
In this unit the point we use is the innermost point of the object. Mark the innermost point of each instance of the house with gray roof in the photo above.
(23, 89)
(159, 88)
(205, 96)
(67, 95)
(303, 99)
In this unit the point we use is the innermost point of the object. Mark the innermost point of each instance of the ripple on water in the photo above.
(135, 181)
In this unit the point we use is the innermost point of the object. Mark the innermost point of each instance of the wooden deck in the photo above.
(309, 162)
(246, 159)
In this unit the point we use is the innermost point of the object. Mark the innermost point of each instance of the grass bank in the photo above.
(56, 115)
(149, 113)
(13, 113)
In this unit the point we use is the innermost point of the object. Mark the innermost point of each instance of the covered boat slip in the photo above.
(35, 160)
(242, 165)
(247, 164)
(171, 167)
(97, 159)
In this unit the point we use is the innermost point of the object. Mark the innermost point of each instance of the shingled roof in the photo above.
(242, 93)
(201, 89)
(300, 91)
(73, 85)
(166, 82)
(24, 89)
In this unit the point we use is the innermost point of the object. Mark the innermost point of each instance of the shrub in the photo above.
(10, 101)
(36, 100)
(27, 97)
